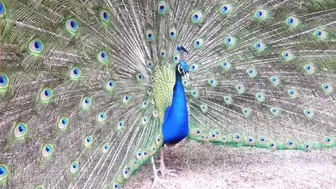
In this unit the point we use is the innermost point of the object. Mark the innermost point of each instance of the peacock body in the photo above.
(91, 90)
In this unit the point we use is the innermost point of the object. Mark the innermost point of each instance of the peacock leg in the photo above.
(163, 169)
(157, 180)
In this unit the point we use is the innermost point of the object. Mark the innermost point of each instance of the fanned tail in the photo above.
(263, 75)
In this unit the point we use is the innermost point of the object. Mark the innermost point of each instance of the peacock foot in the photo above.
(160, 182)
(168, 172)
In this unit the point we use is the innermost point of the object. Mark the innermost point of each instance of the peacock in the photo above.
(92, 90)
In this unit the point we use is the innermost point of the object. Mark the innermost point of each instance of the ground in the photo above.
(209, 166)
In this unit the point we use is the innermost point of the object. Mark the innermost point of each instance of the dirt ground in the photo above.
(209, 166)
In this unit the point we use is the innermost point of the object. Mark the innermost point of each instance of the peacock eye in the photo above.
(225, 9)
(176, 58)
(287, 56)
(102, 57)
(101, 116)
(2, 10)
(88, 141)
(63, 123)
(327, 89)
(3, 172)
(104, 16)
(47, 150)
(162, 7)
(72, 25)
(252, 72)
(163, 53)
(74, 167)
(46, 94)
(149, 34)
(20, 130)
(120, 125)
(126, 98)
(275, 80)
(274, 111)
(139, 77)
(86, 102)
(4, 82)
(172, 33)
(229, 41)
(197, 17)
(198, 43)
(35, 47)
(259, 46)
(260, 14)
(292, 21)
(320, 34)
(110, 85)
(74, 73)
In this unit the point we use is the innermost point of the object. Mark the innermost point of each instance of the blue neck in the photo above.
(179, 103)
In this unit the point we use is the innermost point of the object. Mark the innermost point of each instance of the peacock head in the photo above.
(182, 69)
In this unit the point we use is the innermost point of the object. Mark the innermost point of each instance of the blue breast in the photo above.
(175, 125)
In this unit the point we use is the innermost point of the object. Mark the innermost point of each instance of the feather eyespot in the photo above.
(290, 144)
(162, 8)
(47, 150)
(20, 130)
(86, 102)
(110, 85)
(104, 16)
(225, 9)
(225, 65)
(2, 10)
(102, 57)
(320, 34)
(149, 34)
(74, 73)
(327, 89)
(139, 77)
(35, 47)
(159, 140)
(101, 117)
(46, 94)
(172, 33)
(328, 141)
(228, 100)
(197, 17)
(261, 14)
(252, 72)
(106, 147)
(88, 141)
(287, 56)
(246, 112)
(63, 123)
(230, 41)
(176, 58)
(240, 89)
(292, 21)
(274, 111)
(250, 141)
(198, 43)
(275, 80)
(4, 82)
(126, 98)
(308, 113)
(194, 93)
(3, 172)
(120, 125)
(145, 120)
(72, 26)
(261, 140)
(74, 167)
(259, 46)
